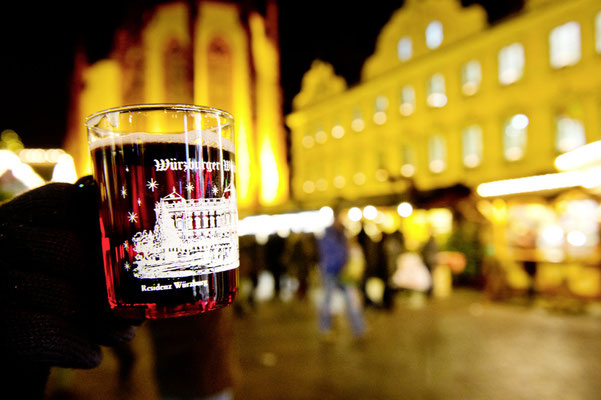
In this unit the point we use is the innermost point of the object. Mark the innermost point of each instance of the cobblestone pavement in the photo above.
(461, 347)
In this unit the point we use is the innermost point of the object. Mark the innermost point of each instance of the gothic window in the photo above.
(220, 71)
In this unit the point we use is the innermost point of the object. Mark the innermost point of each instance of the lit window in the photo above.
(564, 43)
(472, 146)
(359, 178)
(380, 110)
(598, 32)
(308, 187)
(471, 78)
(321, 185)
(437, 154)
(436, 91)
(515, 135)
(382, 175)
(569, 133)
(320, 135)
(337, 130)
(407, 100)
(511, 63)
(308, 141)
(404, 48)
(408, 161)
(357, 124)
(339, 181)
(434, 35)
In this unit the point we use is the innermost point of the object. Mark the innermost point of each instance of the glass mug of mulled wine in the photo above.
(168, 212)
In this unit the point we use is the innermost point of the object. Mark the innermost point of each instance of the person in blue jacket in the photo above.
(333, 256)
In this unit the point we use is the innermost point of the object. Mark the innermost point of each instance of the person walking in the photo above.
(333, 256)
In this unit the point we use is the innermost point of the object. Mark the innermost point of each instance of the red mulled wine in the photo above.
(168, 220)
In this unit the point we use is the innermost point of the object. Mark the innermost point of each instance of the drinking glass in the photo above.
(168, 212)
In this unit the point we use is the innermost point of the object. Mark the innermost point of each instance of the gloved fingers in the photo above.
(49, 341)
(111, 331)
(55, 250)
(55, 205)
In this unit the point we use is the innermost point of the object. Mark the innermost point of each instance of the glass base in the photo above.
(154, 311)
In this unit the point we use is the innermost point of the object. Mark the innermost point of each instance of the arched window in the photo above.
(564, 44)
(437, 153)
(471, 77)
(569, 133)
(436, 91)
(434, 35)
(407, 100)
(472, 146)
(404, 48)
(308, 141)
(320, 134)
(381, 106)
(357, 124)
(408, 160)
(337, 130)
(515, 136)
(511, 63)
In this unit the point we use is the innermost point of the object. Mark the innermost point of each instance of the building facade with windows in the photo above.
(448, 100)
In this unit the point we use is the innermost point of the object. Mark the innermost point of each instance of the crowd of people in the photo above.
(368, 272)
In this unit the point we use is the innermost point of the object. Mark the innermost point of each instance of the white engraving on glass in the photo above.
(190, 237)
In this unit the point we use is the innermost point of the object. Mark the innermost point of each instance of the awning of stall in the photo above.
(577, 168)
(441, 197)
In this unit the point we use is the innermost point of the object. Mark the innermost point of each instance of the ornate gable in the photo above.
(420, 27)
(319, 83)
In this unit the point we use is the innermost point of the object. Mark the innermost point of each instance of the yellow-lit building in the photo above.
(213, 53)
(447, 100)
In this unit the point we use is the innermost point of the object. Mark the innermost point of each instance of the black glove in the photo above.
(52, 294)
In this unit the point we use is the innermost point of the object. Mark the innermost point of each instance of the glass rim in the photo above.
(91, 119)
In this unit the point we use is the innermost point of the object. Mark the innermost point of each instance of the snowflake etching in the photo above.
(123, 192)
(190, 236)
(152, 184)
(132, 217)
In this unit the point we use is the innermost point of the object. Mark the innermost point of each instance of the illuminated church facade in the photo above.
(214, 53)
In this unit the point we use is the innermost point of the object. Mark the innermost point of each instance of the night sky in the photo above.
(37, 44)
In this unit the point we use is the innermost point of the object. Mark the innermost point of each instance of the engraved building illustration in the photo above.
(189, 237)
